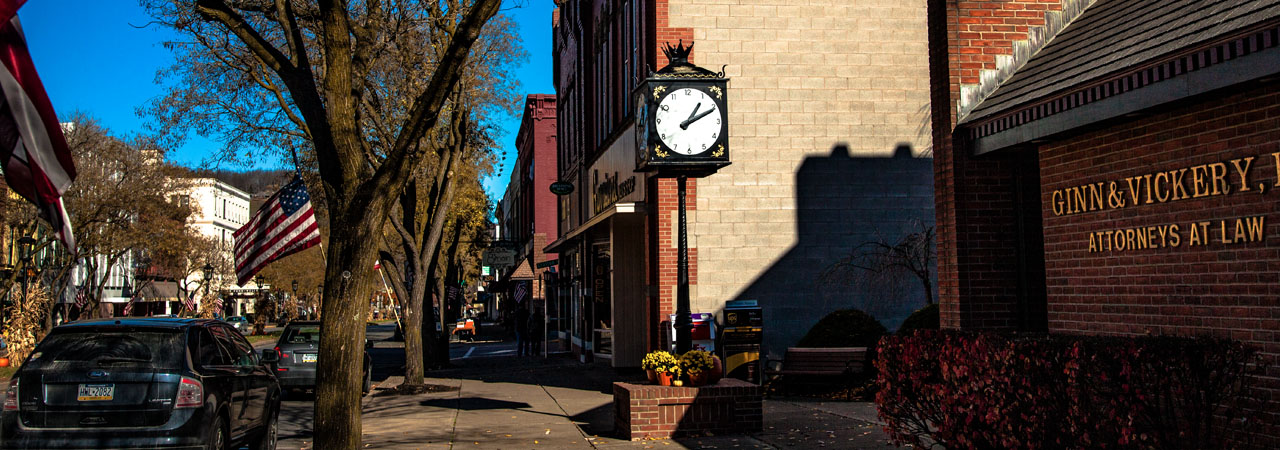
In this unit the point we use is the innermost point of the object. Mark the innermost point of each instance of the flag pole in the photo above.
(323, 259)
(297, 169)
(394, 309)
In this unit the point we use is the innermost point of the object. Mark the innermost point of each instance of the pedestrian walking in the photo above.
(522, 328)
(537, 333)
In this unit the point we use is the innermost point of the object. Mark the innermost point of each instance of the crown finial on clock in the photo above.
(679, 53)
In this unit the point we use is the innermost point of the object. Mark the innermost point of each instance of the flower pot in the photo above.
(653, 375)
(698, 378)
(717, 371)
(665, 378)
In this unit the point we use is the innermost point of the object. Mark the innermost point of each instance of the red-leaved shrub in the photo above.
(983, 390)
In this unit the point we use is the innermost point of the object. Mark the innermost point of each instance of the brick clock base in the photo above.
(647, 411)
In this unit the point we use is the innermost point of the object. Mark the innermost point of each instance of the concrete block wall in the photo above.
(805, 78)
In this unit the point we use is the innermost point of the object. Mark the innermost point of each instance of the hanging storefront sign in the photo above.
(613, 178)
(499, 256)
(561, 188)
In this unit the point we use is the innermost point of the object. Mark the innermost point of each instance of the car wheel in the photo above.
(270, 434)
(217, 435)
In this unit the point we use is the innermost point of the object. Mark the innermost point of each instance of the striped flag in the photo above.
(128, 307)
(522, 291)
(190, 303)
(81, 297)
(37, 163)
(284, 225)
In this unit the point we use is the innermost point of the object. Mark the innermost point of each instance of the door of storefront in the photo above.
(602, 317)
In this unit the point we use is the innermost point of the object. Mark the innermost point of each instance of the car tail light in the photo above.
(11, 396)
(282, 369)
(190, 394)
(283, 355)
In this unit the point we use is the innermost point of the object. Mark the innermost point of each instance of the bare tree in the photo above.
(296, 72)
(119, 205)
(417, 223)
(881, 264)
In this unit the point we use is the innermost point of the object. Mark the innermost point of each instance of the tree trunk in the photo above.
(348, 286)
(928, 289)
(415, 367)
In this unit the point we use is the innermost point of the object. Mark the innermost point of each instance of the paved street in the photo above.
(491, 399)
(388, 358)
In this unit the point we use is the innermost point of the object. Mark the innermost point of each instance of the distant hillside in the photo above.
(257, 183)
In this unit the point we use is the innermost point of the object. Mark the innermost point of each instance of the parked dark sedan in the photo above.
(144, 382)
(299, 353)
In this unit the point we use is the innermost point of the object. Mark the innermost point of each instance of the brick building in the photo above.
(1111, 167)
(828, 127)
(527, 212)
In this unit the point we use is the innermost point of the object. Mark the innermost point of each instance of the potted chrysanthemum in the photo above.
(698, 365)
(661, 367)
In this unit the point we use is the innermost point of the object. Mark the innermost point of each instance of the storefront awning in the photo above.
(617, 208)
(160, 291)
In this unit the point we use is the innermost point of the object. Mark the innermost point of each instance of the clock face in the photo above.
(688, 121)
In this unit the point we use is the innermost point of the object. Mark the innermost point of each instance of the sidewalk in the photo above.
(525, 403)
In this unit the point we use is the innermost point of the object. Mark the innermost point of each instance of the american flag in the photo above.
(190, 303)
(284, 225)
(521, 292)
(81, 298)
(217, 304)
(37, 164)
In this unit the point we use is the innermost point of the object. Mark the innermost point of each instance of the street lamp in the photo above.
(293, 300)
(319, 296)
(208, 275)
(262, 301)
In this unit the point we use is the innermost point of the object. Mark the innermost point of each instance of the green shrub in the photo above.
(844, 328)
(925, 318)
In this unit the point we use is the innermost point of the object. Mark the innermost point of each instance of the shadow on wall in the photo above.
(843, 202)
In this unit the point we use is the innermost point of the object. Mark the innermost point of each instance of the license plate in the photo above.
(309, 357)
(96, 392)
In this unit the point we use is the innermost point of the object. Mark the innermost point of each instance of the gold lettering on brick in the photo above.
(1243, 172)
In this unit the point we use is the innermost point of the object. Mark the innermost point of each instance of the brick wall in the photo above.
(804, 80)
(656, 412)
(667, 254)
(987, 278)
(1217, 289)
(980, 32)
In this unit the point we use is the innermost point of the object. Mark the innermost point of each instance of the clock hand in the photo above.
(685, 125)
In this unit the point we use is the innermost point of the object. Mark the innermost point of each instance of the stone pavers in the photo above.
(513, 403)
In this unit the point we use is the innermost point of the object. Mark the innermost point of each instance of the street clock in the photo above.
(682, 118)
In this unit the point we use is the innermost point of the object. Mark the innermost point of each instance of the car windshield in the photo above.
(302, 335)
(151, 349)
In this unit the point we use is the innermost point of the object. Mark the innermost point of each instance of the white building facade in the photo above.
(219, 209)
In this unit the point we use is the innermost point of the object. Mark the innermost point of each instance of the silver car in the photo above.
(240, 323)
(299, 350)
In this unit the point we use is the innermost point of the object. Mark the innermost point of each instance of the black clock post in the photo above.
(682, 131)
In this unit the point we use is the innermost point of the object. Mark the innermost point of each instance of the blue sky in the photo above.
(99, 57)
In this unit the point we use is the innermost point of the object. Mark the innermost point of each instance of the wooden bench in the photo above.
(830, 363)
